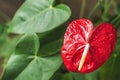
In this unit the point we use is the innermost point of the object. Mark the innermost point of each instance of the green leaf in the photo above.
(28, 44)
(39, 16)
(50, 48)
(78, 76)
(51, 41)
(52, 35)
(110, 70)
(7, 45)
(25, 64)
(20, 59)
(2, 28)
(7, 42)
(67, 76)
(62, 76)
(41, 69)
(90, 76)
(56, 76)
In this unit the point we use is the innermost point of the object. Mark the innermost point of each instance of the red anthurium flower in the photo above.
(85, 49)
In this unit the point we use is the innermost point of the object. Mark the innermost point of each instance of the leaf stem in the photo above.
(107, 7)
(82, 8)
(115, 19)
(93, 10)
(117, 24)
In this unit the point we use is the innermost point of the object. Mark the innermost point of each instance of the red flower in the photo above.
(85, 49)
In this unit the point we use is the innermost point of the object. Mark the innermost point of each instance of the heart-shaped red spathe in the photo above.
(85, 49)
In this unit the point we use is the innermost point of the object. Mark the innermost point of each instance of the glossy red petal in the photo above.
(102, 43)
(76, 36)
(80, 39)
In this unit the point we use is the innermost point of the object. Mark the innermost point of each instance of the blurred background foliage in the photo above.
(96, 10)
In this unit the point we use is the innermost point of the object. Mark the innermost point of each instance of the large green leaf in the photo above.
(50, 48)
(7, 45)
(7, 42)
(52, 35)
(25, 64)
(51, 41)
(39, 16)
(2, 28)
(111, 69)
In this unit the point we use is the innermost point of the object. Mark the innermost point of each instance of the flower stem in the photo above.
(93, 10)
(107, 5)
(115, 19)
(117, 24)
(82, 8)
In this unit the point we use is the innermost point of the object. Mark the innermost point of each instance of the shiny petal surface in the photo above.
(76, 36)
(102, 41)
